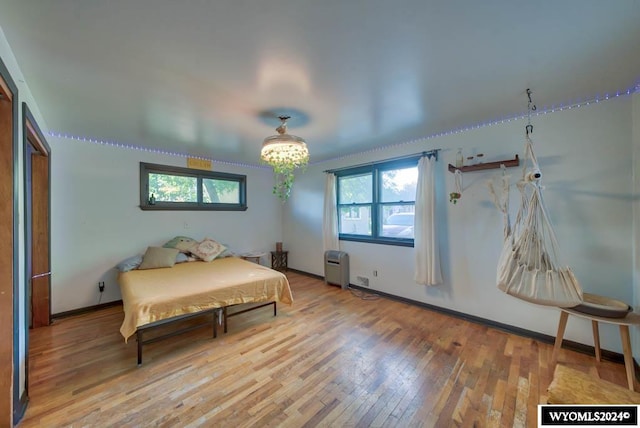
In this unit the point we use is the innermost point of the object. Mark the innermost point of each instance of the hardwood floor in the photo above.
(331, 359)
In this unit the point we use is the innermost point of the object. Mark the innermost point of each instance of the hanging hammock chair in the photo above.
(528, 267)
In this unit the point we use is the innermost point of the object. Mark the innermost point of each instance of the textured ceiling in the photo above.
(208, 77)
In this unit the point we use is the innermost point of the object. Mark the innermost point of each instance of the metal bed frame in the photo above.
(217, 314)
(228, 315)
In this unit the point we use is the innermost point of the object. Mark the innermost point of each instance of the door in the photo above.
(9, 331)
(37, 212)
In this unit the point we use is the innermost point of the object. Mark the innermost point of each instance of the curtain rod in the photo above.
(433, 152)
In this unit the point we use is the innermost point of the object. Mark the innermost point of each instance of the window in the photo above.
(376, 203)
(352, 213)
(165, 187)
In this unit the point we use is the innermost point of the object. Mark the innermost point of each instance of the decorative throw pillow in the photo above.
(207, 250)
(182, 243)
(129, 264)
(226, 253)
(158, 257)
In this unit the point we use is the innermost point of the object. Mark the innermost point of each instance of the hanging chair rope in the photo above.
(528, 267)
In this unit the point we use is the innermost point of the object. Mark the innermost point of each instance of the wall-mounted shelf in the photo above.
(487, 165)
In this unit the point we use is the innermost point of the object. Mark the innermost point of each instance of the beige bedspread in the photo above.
(156, 294)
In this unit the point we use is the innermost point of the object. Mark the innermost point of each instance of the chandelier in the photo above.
(284, 153)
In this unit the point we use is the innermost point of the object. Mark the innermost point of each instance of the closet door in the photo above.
(9, 331)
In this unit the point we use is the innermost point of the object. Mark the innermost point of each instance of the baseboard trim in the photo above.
(20, 408)
(566, 344)
(301, 272)
(545, 338)
(85, 310)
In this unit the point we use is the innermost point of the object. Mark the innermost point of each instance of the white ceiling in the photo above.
(208, 77)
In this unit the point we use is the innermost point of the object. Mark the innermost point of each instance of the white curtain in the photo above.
(330, 220)
(425, 241)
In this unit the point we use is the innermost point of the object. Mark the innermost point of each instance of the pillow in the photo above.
(158, 257)
(182, 243)
(129, 264)
(182, 257)
(207, 250)
(226, 253)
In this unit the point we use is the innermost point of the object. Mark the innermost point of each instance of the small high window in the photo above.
(164, 187)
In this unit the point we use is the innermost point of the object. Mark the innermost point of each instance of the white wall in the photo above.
(585, 155)
(24, 95)
(96, 221)
(635, 333)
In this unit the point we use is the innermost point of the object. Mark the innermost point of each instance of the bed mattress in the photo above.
(156, 294)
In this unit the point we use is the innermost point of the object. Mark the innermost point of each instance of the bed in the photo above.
(152, 297)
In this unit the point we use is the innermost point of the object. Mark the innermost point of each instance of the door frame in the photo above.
(14, 404)
(33, 141)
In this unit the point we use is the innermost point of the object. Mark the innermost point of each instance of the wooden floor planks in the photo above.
(332, 359)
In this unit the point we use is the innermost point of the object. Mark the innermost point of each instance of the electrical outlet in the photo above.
(375, 273)
(101, 286)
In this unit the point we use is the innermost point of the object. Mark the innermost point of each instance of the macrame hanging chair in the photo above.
(528, 267)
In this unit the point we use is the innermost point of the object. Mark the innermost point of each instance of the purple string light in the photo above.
(150, 150)
(545, 110)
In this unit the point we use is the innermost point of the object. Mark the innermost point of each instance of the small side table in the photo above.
(253, 257)
(279, 260)
(624, 323)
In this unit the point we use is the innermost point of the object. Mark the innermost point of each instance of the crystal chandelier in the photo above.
(284, 153)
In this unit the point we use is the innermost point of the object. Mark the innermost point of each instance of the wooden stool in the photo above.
(570, 386)
(624, 323)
